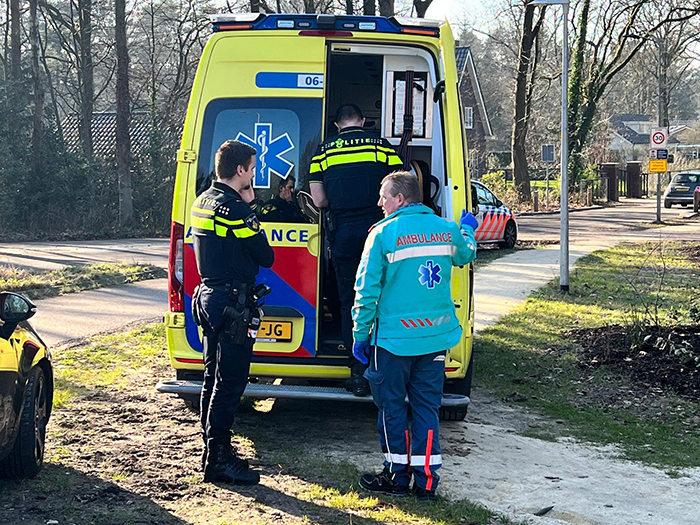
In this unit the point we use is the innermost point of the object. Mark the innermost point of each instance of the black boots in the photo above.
(222, 465)
(242, 463)
(357, 384)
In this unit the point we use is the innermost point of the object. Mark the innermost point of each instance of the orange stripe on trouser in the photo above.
(426, 468)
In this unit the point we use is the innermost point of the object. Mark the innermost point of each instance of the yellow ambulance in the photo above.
(274, 82)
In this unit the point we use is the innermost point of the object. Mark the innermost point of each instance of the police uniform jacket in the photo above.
(351, 167)
(228, 242)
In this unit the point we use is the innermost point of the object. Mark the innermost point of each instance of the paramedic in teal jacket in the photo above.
(404, 323)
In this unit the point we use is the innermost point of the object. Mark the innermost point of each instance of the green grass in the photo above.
(113, 361)
(38, 285)
(529, 351)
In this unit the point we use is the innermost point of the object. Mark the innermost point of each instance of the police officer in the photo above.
(283, 208)
(345, 176)
(229, 247)
(404, 323)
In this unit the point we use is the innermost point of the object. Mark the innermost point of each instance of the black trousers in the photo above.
(346, 251)
(226, 369)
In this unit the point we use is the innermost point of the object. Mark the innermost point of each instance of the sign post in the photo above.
(658, 155)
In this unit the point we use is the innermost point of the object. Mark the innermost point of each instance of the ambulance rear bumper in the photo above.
(191, 389)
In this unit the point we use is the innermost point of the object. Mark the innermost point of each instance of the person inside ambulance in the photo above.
(345, 176)
(283, 208)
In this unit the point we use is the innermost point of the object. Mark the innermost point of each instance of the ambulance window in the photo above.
(284, 131)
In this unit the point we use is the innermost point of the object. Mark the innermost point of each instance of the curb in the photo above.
(555, 212)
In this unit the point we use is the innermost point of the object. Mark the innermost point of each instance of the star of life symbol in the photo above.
(429, 274)
(270, 151)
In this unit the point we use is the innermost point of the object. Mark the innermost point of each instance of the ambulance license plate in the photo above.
(275, 331)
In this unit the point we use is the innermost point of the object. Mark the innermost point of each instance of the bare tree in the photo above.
(86, 76)
(607, 41)
(38, 127)
(15, 40)
(386, 7)
(524, 85)
(421, 7)
(126, 207)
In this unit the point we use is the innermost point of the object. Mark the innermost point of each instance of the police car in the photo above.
(497, 224)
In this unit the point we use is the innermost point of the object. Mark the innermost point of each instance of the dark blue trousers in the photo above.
(346, 251)
(226, 369)
(415, 450)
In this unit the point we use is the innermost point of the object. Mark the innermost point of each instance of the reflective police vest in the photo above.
(351, 167)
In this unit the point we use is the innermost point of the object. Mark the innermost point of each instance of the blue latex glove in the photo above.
(361, 351)
(468, 219)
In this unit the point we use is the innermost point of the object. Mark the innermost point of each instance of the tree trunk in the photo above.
(38, 127)
(254, 6)
(123, 146)
(386, 7)
(15, 40)
(421, 7)
(369, 7)
(86, 75)
(523, 92)
(349, 7)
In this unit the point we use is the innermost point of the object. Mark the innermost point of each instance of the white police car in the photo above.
(496, 222)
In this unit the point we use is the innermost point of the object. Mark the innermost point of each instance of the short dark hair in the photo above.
(348, 112)
(230, 155)
(283, 183)
(403, 182)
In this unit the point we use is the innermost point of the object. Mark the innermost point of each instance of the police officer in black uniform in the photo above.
(345, 175)
(229, 247)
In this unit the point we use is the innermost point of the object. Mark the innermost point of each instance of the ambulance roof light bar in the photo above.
(324, 23)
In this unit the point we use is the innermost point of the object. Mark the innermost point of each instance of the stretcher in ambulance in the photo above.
(274, 82)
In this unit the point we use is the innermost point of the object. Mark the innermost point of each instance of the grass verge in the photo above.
(39, 285)
(530, 352)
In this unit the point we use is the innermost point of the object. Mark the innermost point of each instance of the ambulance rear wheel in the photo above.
(510, 236)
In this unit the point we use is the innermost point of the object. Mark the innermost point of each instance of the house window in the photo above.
(469, 117)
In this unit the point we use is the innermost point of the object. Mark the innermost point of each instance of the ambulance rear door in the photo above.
(266, 89)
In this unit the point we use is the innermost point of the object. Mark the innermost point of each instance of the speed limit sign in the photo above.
(658, 138)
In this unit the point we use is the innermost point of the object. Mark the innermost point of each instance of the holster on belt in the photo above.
(330, 224)
(237, 314)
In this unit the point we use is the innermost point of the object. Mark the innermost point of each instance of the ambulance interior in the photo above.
(373, 78)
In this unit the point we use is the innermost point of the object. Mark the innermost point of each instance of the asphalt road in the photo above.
(41, 256)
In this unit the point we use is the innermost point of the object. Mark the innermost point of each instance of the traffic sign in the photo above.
(658, 166)
(662, 154)
(658, 138)
(652, 153)
(547, 152)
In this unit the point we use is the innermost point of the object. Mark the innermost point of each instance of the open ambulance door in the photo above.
(275, 106)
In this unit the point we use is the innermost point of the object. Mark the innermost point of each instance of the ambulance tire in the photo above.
(461, 386)
(510, 236)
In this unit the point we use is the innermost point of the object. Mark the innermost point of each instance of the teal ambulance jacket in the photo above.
(402, 290)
